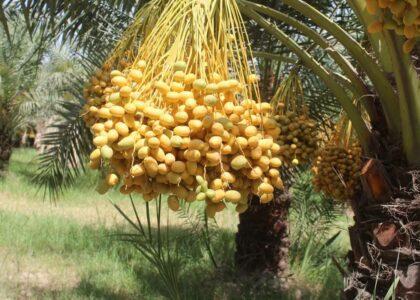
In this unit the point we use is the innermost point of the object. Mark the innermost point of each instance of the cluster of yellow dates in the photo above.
(402, 16)
(336, 171)
(299, 138)
(187, 137)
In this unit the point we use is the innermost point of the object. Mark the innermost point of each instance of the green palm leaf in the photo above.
(67, 144)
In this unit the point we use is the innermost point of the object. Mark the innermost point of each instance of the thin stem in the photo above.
(207, 240)
(277, 57)
(137, 216)
(149, 226)
(158, 215)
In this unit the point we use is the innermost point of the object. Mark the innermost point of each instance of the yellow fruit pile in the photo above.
(402, 16)
(175, 122)
(299, 136)
(298, 139)
(122, 57)
(189, 138)
(336, 171)
(98, 87)
(93, 92)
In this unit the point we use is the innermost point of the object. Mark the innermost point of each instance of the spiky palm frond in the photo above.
(58, 100)
(316, 213)
(157, 245)
(67, 143)
(85, 23)
(321, 102)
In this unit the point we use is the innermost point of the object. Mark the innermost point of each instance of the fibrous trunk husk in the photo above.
(262, 242)
(385, 238)
(5, 152)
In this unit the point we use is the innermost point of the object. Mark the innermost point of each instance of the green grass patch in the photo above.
(99, 261)
(22, 170)
(109, 269)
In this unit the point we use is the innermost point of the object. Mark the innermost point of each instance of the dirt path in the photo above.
(92, 212)
(24, 276)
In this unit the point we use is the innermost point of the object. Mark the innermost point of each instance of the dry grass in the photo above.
(24, 276)
(93, 212)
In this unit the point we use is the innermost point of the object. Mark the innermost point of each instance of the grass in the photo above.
(68, 250)
(21, 172)
(95, 259)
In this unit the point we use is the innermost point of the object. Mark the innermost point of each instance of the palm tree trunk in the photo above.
(5, 151)
(262, 243)
(385, 238)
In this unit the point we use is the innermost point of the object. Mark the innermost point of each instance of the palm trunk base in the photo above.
(262, 243)
(5, 154)
(385, 239)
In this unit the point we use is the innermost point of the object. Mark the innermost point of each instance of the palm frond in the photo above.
(315, 211)
(321, 102)
(87, 24)
(67, 145)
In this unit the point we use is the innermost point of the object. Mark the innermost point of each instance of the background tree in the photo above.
(33, 78)
(38, 107)
(19, 61)
(262, 239)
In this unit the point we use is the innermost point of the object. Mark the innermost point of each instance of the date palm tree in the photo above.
(32, 78)
(330, 41)
(85, 29)
(19, 61)
(259, 248)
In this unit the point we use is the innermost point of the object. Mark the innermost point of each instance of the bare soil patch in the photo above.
(25, 276)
